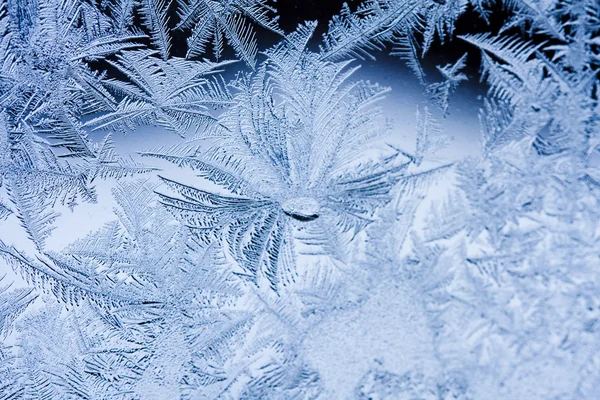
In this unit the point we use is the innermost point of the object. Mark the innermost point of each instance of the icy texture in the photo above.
(292, 167)
(293, 247)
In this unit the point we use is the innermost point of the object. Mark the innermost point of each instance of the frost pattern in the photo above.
(288, 166)
(293, 249)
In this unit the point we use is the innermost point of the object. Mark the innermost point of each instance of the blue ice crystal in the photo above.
(200, 199)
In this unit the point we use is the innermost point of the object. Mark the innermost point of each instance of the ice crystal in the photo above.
(290, 166)
(295, 244)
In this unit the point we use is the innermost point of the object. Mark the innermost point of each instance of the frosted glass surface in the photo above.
(259, 199)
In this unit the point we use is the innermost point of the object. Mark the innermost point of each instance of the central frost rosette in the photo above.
(301, 208)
